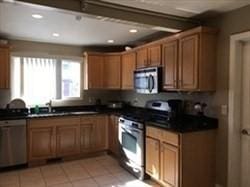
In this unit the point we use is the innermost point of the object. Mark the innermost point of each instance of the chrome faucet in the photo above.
(49, 104)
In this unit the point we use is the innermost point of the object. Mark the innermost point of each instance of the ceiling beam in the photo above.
(100, 8)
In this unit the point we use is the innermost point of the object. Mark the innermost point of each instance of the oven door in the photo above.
(132, 144)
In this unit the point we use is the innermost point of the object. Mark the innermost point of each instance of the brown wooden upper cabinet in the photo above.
(170, 63)
(128, 67)
(189, 60)
(102, 71)
(112, 71)
(148, 56)
(4, 67)
(94, 71)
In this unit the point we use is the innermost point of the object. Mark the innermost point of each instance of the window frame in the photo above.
(59, 59)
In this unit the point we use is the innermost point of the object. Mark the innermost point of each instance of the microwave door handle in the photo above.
(151, 83)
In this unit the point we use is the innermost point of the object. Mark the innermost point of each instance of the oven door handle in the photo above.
(151, 83)
(127, 129)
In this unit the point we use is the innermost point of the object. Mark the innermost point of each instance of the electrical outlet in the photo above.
(224, 110)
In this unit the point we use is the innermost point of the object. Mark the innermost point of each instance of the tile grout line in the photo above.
(65, 174)
(43, 176)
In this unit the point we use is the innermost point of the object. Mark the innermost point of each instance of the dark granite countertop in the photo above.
(186, 123)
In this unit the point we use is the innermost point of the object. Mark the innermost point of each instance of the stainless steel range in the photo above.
(132, 132)
(131, 138)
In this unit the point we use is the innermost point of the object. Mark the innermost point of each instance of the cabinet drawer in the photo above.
(33, 123)
(171, 138)
(154, 132)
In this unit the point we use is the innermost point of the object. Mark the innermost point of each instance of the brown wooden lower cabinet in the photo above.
(68, 140)
(100, 132)
(94, 133)
(169, 165)
(41, 143)
(66, 136)
(181, 159)
(113, 135)
(153, 157)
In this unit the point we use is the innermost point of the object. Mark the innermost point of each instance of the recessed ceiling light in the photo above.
(37, 16)
(110, 41)
(133, 30)
(56, 34)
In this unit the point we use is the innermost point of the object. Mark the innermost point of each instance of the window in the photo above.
(37, 80)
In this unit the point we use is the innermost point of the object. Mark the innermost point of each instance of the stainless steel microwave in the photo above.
(148, 80)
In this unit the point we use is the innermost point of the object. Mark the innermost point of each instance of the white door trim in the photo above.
(234, 103)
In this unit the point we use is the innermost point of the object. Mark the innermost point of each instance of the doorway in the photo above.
(239, 111)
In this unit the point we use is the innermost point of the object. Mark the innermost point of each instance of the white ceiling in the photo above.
(184, 8)
(16, 22)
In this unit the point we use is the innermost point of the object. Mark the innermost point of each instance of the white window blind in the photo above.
(38, 80)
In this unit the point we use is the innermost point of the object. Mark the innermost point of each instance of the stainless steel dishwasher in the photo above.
(13, 149)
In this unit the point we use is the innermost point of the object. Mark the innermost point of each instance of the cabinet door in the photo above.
(128, 67)
(154, 55)
(41, 143)
(68, 140)
(113, 135)
(153, 157)
(112, 72)
(100, 133)
(87, 134)
(188, 62)
(95, 71)
(141, 58)
(170, 165)
(4, 67)
(170, 60)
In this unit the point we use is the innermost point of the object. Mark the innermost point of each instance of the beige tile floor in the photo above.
(102, 171)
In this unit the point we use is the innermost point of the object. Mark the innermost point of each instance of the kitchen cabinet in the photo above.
(141, 58)
(94, 74)
(87, 134)
(94, 133)
(148, 56)
(4, 67)
(153, 157)
(188, 64)
(154, 55)
(113, 135)
(112, 71)
(53, 137)
(189, 61)
(68, 139)
(41, 143)
(170, 63)
(181, 159)
(102, 71)
(169, 165)
(128, 67)
(101, 133)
